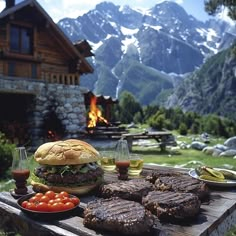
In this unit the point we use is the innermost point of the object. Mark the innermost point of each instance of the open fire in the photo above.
(95, 114)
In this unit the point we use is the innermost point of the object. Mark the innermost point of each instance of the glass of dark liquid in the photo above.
(20, 171)
(122, 159)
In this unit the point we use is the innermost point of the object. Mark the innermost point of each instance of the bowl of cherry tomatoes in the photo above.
(49, 205)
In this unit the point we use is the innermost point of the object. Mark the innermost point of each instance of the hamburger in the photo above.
(69, 165)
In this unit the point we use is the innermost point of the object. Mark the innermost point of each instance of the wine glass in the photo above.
(122, 159)
(20, 171)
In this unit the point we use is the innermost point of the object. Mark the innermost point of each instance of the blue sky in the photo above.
(74, 8)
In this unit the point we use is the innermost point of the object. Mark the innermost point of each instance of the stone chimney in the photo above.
(9, 4)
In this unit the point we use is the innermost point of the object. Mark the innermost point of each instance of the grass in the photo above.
(188, 158)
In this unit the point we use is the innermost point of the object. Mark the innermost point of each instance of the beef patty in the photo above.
(182, 183)
(118, 215)
(130, 190)
(171, 205)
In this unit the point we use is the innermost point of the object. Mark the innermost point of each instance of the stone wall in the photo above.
(66, 101)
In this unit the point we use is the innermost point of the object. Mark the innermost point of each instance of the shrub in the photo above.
(6, 149)
(183, 130)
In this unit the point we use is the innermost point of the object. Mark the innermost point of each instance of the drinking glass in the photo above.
(136, 165)
(108, 160)
(122, 159)
(20, 171)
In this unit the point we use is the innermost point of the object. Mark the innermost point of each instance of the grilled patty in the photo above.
(171, 205)
(182, 183)
(130, 190)
(118, 215)
(154, 175)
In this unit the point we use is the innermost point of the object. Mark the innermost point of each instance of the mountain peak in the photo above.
(127, 43)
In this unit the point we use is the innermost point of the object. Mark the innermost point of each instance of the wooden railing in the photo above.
(69, 79)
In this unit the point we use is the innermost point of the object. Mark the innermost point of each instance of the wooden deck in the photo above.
(215, 218)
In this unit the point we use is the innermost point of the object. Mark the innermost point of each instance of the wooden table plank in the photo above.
(215, 217)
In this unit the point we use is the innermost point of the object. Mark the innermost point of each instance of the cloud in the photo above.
(179, 1)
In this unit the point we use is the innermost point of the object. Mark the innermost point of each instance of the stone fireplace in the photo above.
(39, 112)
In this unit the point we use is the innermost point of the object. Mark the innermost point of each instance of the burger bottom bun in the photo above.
(80, 190)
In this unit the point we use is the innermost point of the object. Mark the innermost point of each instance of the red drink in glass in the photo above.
(122, 168)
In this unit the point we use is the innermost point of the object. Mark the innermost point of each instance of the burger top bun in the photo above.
(67, 152)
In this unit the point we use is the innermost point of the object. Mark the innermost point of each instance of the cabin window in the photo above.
(21, 39)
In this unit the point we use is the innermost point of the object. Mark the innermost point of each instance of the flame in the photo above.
(52, 135)
(95, 114)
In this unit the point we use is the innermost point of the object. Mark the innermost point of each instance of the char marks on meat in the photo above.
(182, 184)
(154, 175)
(118, 215)
(172, 205)
(130, 190)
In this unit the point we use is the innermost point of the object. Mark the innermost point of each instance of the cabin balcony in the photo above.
(68, 79)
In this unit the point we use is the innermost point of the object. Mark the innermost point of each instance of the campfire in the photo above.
(98, 125)
(95, 114)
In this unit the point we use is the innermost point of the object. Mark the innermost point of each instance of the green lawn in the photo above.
(185, 158)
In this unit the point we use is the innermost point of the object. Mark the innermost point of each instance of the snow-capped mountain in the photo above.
(137, 51)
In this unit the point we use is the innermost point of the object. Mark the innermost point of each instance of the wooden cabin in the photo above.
(33, 46)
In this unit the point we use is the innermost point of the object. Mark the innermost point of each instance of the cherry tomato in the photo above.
(63, 194)
(39, 195)
(34, 199)
(50, 194)
(69, 205)
(65, 200)
(42, 206)
(57, 195)
(23, 204)
(58, 200)
(51, 201)
(44, 199)
(57, 207)
(75, 200)
(30, 206)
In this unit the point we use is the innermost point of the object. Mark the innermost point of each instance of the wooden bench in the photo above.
(163, 138)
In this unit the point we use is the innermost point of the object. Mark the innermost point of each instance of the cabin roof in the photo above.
(64, 42)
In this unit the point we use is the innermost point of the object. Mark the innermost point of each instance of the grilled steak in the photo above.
(118, 215)
(154, 175)
(171, 205)
(182, 183)
(130, 190)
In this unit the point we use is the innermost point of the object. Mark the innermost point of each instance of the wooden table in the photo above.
(216, 216)
(163, 138)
